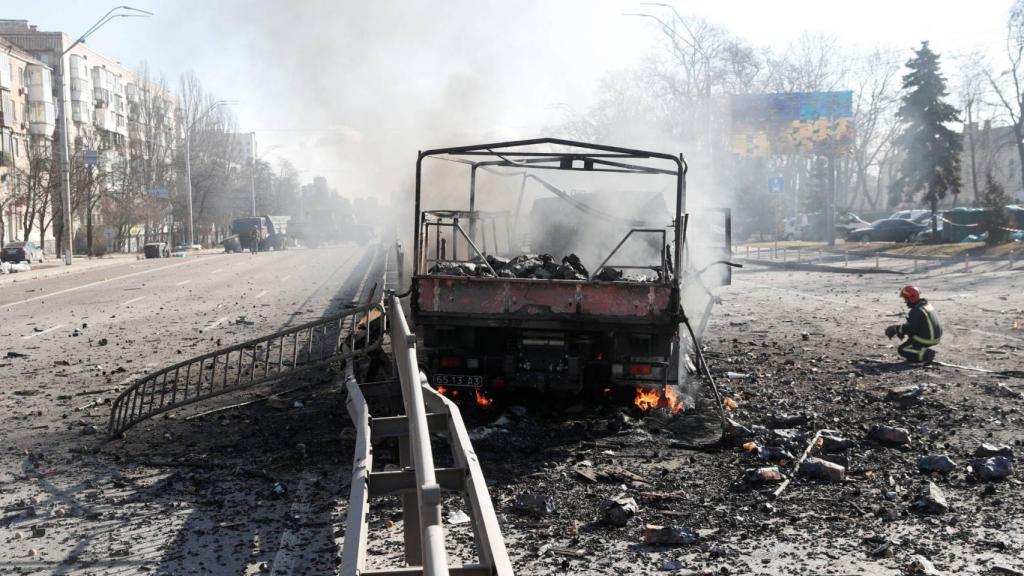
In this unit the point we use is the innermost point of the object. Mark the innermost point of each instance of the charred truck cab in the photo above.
(501, 307)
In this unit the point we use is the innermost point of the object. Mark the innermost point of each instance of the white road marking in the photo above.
(183, 282)
(91, 284)
(218, 270)
(214, 324)
(41, 332)
(286, 277)
(261, 294)
(132, 301)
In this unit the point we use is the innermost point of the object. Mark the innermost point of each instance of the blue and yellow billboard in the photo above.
(791, 123)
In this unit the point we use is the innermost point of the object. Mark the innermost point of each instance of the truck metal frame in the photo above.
(499, 332)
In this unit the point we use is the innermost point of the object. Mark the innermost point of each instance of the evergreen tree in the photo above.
(931, 150)
(994, 219)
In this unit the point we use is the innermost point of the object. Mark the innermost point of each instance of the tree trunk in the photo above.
(1018, 131)
(971, 147)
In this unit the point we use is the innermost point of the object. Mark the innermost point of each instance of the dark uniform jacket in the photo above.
(922, 325)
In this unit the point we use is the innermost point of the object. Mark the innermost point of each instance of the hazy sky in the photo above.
(334, 85)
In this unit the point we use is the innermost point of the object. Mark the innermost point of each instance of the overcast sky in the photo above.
(333, 84)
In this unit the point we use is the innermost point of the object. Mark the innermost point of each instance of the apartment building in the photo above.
(27, 122)
(125, 117)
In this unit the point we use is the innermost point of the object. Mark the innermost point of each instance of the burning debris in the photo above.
(647, 399)
(532, 266)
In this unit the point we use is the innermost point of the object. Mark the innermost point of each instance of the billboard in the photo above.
(791, 123)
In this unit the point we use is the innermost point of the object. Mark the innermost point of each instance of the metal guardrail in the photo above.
(250, 363)
(418, 483)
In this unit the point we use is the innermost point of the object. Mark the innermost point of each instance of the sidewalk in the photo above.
(56, 267)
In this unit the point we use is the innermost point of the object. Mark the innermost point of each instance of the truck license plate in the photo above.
(466, 380)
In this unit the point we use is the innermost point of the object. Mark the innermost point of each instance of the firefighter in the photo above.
(922, 329)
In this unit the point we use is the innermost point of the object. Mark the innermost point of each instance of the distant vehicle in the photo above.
(887, 230)
(913, 215)
(232, 244)
(272, 233)
(21, 252)
(157, 250)
(812, 226)
(926, 234)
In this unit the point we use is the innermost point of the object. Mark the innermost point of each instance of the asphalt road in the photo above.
(150, 309)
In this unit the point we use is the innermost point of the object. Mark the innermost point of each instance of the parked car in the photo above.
(156, 250)
(812, 226)
(21, 252)
(887, 230)
(918, 216)
(926, 234)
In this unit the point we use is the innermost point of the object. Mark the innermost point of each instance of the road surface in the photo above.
(71, 340)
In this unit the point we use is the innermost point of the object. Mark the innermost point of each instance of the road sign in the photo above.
(159, 193)
(776, 185)
(90, 157)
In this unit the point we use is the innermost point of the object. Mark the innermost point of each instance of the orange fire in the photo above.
(646, 399)
(673, 400)
(481, 400)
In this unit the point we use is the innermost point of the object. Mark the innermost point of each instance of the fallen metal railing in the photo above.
(418, 483)
(318, 343)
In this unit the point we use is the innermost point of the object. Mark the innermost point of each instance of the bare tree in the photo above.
(875, 101)
(1008, 85)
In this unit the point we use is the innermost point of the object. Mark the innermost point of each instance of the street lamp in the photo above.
(115, 12)
(188, 160)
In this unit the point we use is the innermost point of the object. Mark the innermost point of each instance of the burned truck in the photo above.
(521, 279)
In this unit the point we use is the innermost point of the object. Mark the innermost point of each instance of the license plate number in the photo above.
(466, 380)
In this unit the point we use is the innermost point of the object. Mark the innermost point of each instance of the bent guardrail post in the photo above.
(403, 345)
(353, 556)
(258, 361)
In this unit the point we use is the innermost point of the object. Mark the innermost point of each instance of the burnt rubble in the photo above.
(532, 266)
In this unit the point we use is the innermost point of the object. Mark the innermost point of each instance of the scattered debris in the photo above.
(932, 500)
(831, 444)
(890, 434)
(668, 535)
(619, 509)
(822, 470)
(767, 475)
(906, 396)
(774, 454)
(535, 504)
(456, 517)
(994, 468)
(936, 463)
(986, 450)
(921, 565)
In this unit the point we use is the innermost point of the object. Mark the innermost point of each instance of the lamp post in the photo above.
(188, 161)
(62, 119)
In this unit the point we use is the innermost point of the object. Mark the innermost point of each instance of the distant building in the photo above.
(110, 108)
(995, 152)
(27, 120)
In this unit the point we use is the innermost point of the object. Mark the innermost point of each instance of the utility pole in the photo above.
(62, 120)
(252, 172)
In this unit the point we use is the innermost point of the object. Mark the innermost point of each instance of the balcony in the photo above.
(105, 119)
(78, 70)
(40, 88)
(41, 118)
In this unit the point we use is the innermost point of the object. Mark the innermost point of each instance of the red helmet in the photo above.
(911, 294)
